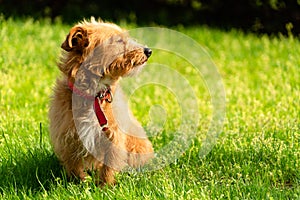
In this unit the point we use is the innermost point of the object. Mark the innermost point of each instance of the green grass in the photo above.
(256, 155)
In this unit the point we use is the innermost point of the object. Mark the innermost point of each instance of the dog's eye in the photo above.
(120, 40)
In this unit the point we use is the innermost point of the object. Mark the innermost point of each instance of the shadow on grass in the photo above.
(30, 172)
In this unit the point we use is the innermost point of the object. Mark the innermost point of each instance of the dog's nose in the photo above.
(147, 52)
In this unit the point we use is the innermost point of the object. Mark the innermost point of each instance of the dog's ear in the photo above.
(76, 40)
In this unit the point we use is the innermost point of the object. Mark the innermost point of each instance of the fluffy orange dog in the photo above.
(91, 127)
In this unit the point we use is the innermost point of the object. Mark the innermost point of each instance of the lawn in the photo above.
(256, 155)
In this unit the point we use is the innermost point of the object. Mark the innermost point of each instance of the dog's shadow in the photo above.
(33, 171)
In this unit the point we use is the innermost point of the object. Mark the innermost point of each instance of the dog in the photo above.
(91, 127)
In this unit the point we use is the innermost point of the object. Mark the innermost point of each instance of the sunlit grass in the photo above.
(256, 156)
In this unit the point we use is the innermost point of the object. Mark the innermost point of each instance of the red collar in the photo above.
(103, 95)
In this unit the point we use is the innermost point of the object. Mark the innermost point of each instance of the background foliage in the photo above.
(269, 16)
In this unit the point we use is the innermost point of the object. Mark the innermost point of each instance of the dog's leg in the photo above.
(80, 172)
(106, 176)
(75, 169)
(114, 160)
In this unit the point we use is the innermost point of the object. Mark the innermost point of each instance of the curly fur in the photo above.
(96, 55)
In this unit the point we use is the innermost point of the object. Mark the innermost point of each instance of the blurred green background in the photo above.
(261, 16)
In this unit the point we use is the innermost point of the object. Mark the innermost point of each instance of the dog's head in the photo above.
(104, 49)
